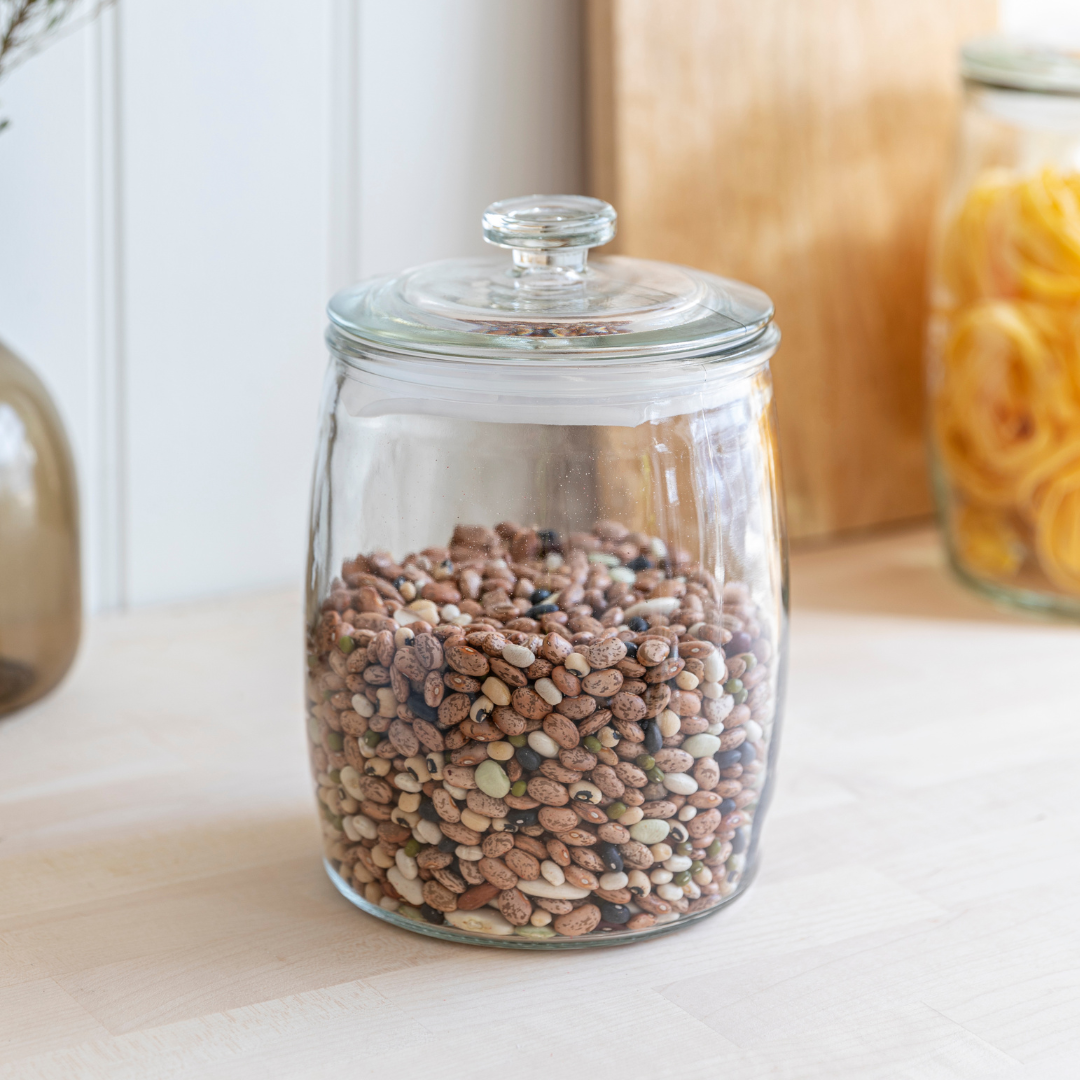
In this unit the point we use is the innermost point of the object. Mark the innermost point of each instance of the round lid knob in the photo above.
(547, 222)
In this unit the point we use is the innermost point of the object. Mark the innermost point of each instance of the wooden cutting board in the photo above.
(798, 145)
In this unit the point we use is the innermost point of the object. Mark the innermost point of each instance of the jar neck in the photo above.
(568, 261)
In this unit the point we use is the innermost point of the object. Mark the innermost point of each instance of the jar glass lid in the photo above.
(1021, 65)
(548, 301)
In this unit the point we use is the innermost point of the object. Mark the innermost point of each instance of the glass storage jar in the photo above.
(546, 598)
(1004, 329)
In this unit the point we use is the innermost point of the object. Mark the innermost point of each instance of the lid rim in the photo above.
(569, 359)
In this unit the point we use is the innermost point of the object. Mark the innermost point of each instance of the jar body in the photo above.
(40, 599)
(1004, 349)
(545, 658)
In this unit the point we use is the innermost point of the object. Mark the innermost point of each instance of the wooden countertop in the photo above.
(164, 913)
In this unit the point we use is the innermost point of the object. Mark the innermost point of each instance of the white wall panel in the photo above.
(225, 183)
(1052, 21)
(462, 102)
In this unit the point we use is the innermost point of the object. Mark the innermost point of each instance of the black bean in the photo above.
(738, 644)
(539, 596)
(738, 842)
(422, 709)
(640, 563)
(522, 818)
(610, 857)
(399, 581)
(638, 625)
(726, 758)
(726, 806)
(549, 541)
(614, 913)
(447, 846)
(427, 811)
(747, 754)
(654, 739)
(528, 758)
(432, 915)
(631, 649)
(541, 609)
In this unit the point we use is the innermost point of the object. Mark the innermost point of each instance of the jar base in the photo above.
(1011, 598)
(492, 941)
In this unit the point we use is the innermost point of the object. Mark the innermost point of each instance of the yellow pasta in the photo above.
(1006, 387)
(987, 542)
(1057, 528)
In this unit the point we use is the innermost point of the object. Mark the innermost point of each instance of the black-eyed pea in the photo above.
(679, 832)
(496, 691)
(582, 791)
(367, 828)
(388, 703)
(686, 680)
(481, 709)
(377, 766)
(404, 781)
(418, 767)
(406, 864)
(350, 781)
(477, 822)
(669, 723)
(427, 832)
(409, 802)
(577, 664)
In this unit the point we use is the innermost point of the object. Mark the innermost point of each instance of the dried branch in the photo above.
(26, 26)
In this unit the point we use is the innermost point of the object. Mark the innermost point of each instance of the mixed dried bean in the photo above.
(517, 735)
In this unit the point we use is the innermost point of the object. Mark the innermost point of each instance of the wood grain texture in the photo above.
(797, 145)
(164, 912)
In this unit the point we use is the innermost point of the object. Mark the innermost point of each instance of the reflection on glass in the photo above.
(40, 608)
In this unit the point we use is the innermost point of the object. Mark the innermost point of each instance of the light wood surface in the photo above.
(163, 910)
(797, 145)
